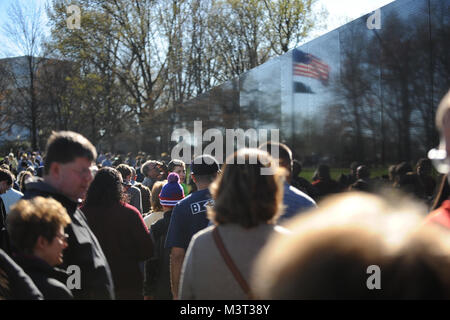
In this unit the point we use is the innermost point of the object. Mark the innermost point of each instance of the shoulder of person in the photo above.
(280, 230)
(57, 290)
(129, 208)
(300, 194)
(203, 235)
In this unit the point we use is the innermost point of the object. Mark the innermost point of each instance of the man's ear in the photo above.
(55, 169)
(193, 178)
(41, 243)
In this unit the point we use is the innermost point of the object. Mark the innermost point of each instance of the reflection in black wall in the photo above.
(379, 106)
(388, 81)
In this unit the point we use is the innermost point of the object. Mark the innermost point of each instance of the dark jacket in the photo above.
(304, 185)
(157, 268)
(325, 187)
(126, 242)
(83, 251)
(4, 236)
(48, 280)
(15, 284)
(146, 196)
(135, 198)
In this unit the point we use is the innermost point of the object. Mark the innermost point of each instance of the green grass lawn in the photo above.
(308, 173)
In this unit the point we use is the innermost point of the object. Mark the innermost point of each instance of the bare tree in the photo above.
(25, 30)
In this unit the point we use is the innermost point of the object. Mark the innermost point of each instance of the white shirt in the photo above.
(10, 197)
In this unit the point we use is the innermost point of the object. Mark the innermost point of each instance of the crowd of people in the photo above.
(77, 225)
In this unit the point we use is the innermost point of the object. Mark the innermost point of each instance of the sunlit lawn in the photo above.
(308, 173)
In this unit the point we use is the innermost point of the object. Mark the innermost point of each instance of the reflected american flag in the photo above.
(307, 65)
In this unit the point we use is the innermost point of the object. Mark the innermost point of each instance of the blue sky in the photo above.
(340, 12)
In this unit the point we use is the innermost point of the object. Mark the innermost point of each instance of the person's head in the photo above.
(392, 172)
(204, 169)
(6, 180)
(333, 251)
(106, 188)
(284, 154)
(163, 171)
(443, 119)
(126, 173)
(402, 169)
(133, 173)
(24, 177)
(150, 169)
(36, 227)
(323, 172)
(156, 190)
(440, 156)
(353, 167)
(296, 168)
(363, 172)
(172, 192)
(68, 162)
(244, 196)
(179, 167)
(424, 167)
(24, 163)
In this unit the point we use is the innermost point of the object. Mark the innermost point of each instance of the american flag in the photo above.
(307, 65)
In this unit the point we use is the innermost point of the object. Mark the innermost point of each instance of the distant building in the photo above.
(16, 74)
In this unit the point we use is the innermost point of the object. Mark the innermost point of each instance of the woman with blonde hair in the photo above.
(357, 246)
(36, 229)
(23, 179)
(157, 211)
(247, 201)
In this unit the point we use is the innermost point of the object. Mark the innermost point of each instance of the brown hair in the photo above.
(175, 163)
(30, 219)
(156, 190)
(6, 175)
(22, 176)
(243, 195)
(65, 147)
(145, 168)
(124, 170)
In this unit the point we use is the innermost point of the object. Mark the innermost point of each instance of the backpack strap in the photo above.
(234, 270)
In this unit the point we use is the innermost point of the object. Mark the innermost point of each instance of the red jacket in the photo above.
(440, 215)
(126, 242)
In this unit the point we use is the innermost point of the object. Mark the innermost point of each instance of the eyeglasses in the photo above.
(64, 236)
(84, 172)
(440, 159)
